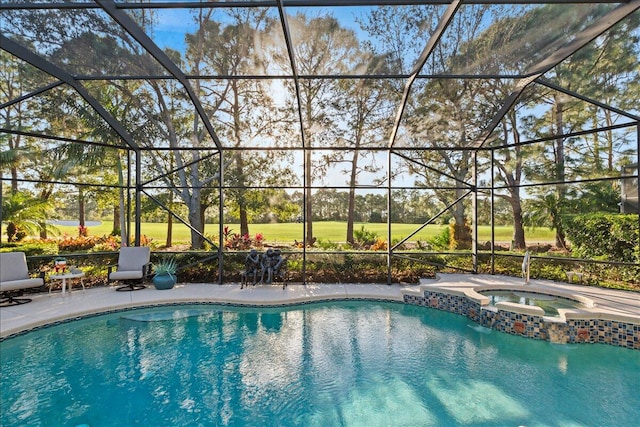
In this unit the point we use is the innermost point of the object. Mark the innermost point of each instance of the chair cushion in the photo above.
(13, 285)
(126, 275)
(13, 266)
(132, 258)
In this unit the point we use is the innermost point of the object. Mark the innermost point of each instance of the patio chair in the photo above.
(14, 278)
(133, 268)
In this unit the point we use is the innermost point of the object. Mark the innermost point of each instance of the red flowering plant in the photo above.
(237, 241)
(258, 240)
(226, 233)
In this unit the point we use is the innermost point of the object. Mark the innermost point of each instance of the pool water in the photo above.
(336, 364)
(549, 303)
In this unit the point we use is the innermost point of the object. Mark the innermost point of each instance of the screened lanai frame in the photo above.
(161, 66)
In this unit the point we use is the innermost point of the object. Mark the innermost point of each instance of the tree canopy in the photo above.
(255, 112)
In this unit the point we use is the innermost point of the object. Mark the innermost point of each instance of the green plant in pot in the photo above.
(165, 273)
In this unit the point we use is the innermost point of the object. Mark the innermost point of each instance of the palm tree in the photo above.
(8, 158)
(24, 216)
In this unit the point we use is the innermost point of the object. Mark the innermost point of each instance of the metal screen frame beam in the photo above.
(303, 137)
(31, 94)
(571, 93)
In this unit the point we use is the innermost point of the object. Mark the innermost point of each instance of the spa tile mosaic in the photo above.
(601, 331)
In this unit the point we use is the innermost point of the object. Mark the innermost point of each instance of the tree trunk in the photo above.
(307, 207)
(242, 202)
(512, 178)
(560, 175)
(14, 169)
(561, 241)
(518, 227)
(244, 221)
(352, 197)
(115, 229)
(610, 137)
(43, 230)
(12, 231)
(169, 242)
(195, 219)
(45, 195)
(461, 236)
(121, 208)
(81, 223)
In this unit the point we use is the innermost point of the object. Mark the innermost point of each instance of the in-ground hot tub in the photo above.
(548, 302)
(537, 312)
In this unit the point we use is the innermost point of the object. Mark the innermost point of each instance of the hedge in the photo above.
(610, 237)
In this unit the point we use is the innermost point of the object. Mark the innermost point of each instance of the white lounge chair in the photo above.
(133, 268)
(14, 278)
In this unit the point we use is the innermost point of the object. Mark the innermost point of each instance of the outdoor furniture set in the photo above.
(15, 278)
(133, 268)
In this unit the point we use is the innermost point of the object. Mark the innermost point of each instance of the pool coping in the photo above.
(51, 308)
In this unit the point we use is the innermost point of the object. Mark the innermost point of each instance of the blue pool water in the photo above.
(337, 364)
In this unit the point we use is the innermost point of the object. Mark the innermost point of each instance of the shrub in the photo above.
(442, 240)
(604, 236)
(329, 245)
(208, 246)
(379, 245)
(108, 243)
(144, 241)
(41, 247)
(238, 242)
(74, 244)
(365, 238)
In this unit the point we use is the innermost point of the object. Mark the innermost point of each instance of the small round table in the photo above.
(64, 278)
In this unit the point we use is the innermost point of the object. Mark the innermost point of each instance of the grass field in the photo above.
(327, 231)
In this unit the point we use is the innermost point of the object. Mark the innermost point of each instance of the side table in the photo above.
(64, 278)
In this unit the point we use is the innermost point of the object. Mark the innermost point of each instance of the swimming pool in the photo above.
(332, 364)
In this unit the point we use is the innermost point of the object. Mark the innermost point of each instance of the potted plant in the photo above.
(165, 273)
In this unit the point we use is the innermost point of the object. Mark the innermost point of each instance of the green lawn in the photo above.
(332, 231)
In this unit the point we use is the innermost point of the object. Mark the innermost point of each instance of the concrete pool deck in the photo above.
(49, 308)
